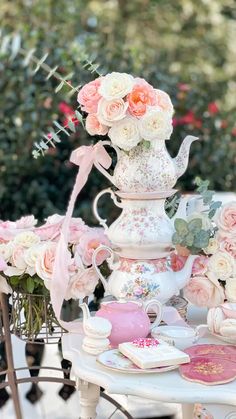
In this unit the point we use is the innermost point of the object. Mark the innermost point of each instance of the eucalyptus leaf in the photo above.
(189, 239)
(71, 125)
(195, 225)
(176, 239)
(201, 240)
(181, 227)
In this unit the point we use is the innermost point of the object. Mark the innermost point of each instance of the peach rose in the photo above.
(45, 262)
(203, 292)
(226, 219)
(200, 265)
(110, 111)
(164, 102)
(141, 96)
(94, 126)
(89, 96)
(228, 244)
(82, 284)
(89, 242)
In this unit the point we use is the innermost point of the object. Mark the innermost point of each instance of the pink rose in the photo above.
(226, 219)
(94, 126)
(82, 284)
(45, 262)
(164, 101)
(89, 96)
(203, 292)
(3, 264)
(110, 111)
(52, 228)
(141, 96)
(228, 244)
(200, 265)
(17, 257)
(177, 262)
(89, 242)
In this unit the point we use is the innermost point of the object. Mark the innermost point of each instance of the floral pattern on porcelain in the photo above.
(145, 169)
(140, 289)
(158, 265)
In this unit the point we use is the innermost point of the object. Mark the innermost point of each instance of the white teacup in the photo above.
(179, 336)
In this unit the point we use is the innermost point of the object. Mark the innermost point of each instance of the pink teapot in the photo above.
(129, 319)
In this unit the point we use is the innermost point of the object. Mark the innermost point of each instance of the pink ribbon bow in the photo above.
(85, 157)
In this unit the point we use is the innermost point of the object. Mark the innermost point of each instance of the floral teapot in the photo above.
(143, 229)
(148, 169)
(143, 279)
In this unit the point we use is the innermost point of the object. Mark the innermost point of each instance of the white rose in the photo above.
(26, 239)
(32, 254)
(213, 247)
(6, 250)
(125, 133)
(230, 290)
(155, 125)
(206, 222)
(110, 111)
(222, 265)
(116, 85)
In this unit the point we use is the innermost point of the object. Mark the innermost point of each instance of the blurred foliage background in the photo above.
(185, 47)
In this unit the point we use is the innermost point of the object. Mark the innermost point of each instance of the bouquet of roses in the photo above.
(27, 255)
(127, 109)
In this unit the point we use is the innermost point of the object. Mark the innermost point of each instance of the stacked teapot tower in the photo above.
(141, 236)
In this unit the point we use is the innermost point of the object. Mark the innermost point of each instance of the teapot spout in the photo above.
(183, 276)
(181, 160)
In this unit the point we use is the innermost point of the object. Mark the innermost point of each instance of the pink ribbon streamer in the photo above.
(84, 157)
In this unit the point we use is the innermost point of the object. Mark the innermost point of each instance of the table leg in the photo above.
(187, 411)
(89, 397)
(219, 411)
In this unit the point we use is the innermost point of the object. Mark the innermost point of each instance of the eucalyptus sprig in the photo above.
(11, 44)
(191, 235)
(207, 196)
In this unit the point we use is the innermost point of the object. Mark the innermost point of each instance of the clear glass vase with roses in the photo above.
(27, 255)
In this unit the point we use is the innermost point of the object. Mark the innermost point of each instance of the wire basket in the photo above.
(32, 318)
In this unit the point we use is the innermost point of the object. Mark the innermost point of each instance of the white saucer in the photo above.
(146, 195)
(115, 360)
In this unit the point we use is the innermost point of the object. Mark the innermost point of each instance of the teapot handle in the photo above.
(158, 310)
(95, 266)
(101, 169)
(103, 221)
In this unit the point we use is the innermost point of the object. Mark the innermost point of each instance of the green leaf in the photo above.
(55, 137)
(176, 239)
(28, 57)
(15, 46)
(52, 72)
(61, 128)
(79, 116)
(30, 284)
(146, 144)
(201, 240)
(189, 239)
(181, 227)
(71, 125)
(14, 280)
(40, 62)
(207, 197)
(59, 87)
(69, 76)
(195, 225)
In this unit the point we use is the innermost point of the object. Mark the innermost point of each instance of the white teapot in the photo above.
(143, 229)
(148, 169)
(142, 279)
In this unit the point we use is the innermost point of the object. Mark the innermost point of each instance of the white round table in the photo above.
(169, 387)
